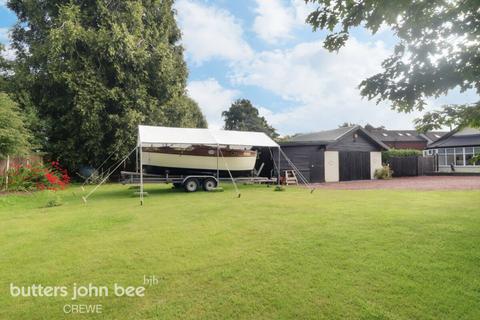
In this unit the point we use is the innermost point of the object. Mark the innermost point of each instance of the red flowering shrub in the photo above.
(36, 177)
(58, 176)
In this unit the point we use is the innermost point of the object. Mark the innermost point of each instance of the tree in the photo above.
(437, 52)
(14, 88)
(13, 135)
(92, 71)
(369, 127)
(185, 112)
(347, 124)
(243, 116)
(287, 137)
(4, 68)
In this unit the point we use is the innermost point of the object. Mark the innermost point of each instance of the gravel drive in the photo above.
(415, 183)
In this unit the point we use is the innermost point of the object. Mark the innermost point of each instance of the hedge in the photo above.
(392, 153)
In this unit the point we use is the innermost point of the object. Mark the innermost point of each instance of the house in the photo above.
(348, 153)
(404, 139)
(456, 149)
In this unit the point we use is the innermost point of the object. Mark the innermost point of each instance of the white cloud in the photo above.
(274, 20)
(4, 35)
(302, 10)
(212, 98)
(210, 32)
(308, 72)
(322, 87)
(384, 28)
(8, 53)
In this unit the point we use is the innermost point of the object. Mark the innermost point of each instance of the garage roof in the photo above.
(322, 136)
(331, 136)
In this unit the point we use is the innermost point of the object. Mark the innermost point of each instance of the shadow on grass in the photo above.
(118, 191)
(124, 191)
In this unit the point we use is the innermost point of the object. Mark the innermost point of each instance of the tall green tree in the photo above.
(14, 137)
(94, 70)
(185, 112)
(5, 66)
(437, 51)
(347, 124)
(243, 116)
(15, 87)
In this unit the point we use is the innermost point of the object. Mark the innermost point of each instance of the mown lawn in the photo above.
(332, 254)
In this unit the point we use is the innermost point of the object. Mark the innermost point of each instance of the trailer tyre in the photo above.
(191, 185)
(209, 184)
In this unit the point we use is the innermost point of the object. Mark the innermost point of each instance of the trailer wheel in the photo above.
(191, 185)
(209, 184)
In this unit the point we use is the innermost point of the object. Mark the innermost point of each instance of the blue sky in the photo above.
(263, 51)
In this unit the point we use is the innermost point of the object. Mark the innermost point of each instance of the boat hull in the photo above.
(198, 162)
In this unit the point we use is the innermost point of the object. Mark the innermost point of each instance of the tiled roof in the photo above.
(405, 135)
(435, 135)
(330, 136)
(322, 136)
(459, 138)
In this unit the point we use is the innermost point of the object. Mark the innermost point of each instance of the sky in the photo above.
(263, 50)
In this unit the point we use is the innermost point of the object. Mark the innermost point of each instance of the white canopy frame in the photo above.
(236, 138)
(151, 136)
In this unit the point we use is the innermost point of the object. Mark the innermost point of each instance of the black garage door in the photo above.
(354, 165)
(309, 160)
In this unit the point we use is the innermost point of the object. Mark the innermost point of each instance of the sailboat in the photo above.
(199, 158)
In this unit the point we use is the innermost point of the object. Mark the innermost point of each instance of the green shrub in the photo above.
(24, 178)
(36, 176)
(392, 153)
(384, 173)
(54, 200)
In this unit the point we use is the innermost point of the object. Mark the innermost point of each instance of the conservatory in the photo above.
(458, 151)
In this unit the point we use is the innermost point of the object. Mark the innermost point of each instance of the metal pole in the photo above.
(117, 165)
(230, 173)
(136, 159)
(6, 172)
(141, 174)
(218, 171)
(278, 178)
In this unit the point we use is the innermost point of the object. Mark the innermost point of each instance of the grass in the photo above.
(332, 254)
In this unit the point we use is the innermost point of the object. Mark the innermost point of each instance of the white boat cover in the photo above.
(152, 135)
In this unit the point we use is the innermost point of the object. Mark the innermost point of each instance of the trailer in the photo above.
(189, 183)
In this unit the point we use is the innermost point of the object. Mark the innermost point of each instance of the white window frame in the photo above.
(473, 153)
(475, 148)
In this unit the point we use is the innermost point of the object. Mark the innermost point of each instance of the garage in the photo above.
(343, 154)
